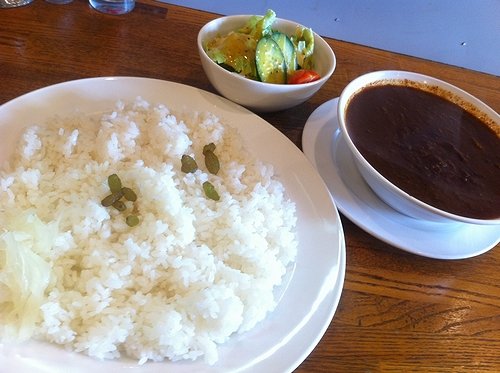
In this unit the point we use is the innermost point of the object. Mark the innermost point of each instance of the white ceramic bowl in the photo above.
(259, 96)
(388, 192)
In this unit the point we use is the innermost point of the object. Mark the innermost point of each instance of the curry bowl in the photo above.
(426, 147)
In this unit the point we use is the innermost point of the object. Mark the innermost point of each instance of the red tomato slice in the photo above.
(303, 76)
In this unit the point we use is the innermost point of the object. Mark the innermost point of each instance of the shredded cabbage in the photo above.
(303, 39)
(24, 273)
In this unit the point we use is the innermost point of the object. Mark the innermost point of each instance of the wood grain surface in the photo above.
(398, 312)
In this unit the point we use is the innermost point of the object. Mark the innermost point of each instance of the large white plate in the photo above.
(313, 288)
(324, 146)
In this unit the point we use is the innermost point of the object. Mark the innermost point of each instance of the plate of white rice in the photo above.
(244, 276)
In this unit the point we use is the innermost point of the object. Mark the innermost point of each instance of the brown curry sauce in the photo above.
(430, 147)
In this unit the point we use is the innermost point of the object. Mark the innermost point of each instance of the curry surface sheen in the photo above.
(429, 147)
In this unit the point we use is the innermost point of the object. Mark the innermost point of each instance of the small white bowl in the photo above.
(255, 95)
(387, 191)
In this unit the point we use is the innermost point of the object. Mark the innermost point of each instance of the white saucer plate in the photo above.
(324, 146)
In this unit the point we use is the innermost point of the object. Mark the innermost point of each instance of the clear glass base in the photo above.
(112, 6)
(59, 1)
(13, 3)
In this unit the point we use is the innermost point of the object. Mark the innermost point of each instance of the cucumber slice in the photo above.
(288, 50)
(271, 65)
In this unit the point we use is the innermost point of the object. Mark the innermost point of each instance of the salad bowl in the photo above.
(257, 95)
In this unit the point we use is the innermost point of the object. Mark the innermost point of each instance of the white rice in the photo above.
(192, 273)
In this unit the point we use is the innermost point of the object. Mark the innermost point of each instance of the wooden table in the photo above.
(398, 311)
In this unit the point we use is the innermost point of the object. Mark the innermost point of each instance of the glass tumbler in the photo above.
(112, 6)
(13, 3)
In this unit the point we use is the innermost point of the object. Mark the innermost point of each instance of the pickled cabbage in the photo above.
(25, 272)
